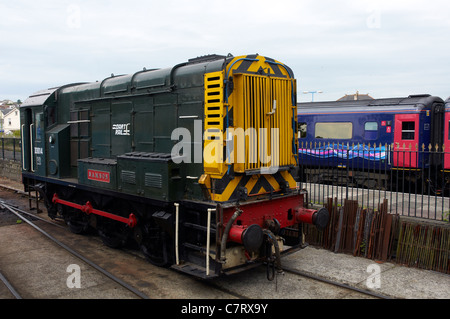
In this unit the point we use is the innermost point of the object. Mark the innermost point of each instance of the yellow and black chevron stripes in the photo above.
(250, 122)
(257, 64)
(243, 186)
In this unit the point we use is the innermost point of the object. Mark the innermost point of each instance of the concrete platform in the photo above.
(389, 279)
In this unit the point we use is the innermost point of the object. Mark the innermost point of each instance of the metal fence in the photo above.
(413, 179)
(11, 148)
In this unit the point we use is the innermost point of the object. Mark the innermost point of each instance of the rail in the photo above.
(18, 213)
(10, 287)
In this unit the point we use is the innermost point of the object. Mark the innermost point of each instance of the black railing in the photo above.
(11, 148)
(415, 180)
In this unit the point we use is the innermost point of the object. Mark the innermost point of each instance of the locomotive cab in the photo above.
(33, 134)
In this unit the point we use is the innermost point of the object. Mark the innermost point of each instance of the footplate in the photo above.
(194, 270)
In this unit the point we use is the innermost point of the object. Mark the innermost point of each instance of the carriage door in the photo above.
(406, 140)
(26, 121)
(447, 140)
(33, 149)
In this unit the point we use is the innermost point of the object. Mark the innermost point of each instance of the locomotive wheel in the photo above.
(152, 242)
(113, 236)
(78, 222)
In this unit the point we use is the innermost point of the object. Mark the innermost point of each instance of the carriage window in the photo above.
(371, 126)
(371, 130)
(408, 130)
(449, 130)
(302, 130)
(334, 130)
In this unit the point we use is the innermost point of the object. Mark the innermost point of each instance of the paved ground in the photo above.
(388, 279)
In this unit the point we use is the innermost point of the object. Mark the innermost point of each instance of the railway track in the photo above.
(10, 287)
(20, 214)
(335, 283)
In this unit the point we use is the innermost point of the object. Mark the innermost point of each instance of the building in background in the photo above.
(10, 120)
(9, 116)
(356, 97)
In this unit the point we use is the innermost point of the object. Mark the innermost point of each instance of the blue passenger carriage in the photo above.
(359, 141)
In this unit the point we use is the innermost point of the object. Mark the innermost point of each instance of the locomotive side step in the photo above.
(194, 270)
(201, 228)
(198, 248)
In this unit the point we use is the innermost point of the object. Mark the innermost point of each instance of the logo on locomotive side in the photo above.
(121, 129)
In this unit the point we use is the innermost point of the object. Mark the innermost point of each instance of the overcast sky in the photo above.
(386, 48)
